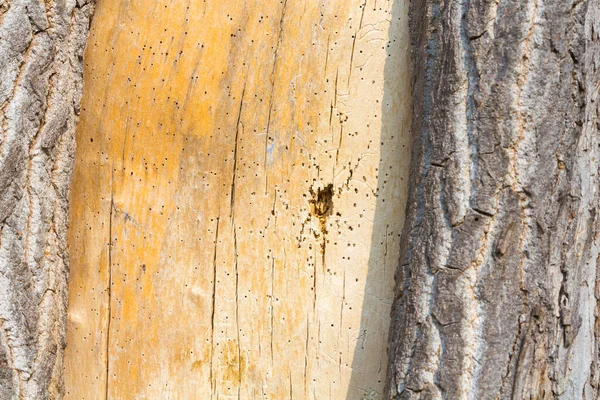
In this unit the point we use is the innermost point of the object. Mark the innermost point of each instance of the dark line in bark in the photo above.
(212, 314)
(272, 318)
(232, 216)
(273, 72)
(352, 58)
(235, 154)
(110, 244)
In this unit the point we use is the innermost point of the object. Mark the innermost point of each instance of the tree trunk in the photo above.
(237, 199)
(497, 289)
(239, 188)
(41, 45)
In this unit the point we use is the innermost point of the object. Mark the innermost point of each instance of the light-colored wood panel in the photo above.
(207, 259)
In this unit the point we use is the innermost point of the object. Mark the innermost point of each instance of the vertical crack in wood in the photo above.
(213, 309)
(273, 76)
(235, 242)
(109, 292)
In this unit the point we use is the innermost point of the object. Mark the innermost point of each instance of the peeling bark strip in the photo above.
(496, 292)
(41, 48)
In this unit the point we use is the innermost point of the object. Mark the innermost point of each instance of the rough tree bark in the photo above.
(41, 47)
(497, 286)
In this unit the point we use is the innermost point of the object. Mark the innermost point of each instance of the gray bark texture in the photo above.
(41, 52)
(498, 280)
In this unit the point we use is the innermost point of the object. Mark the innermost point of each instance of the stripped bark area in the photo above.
(497, 286)
(237, 199)
(41, 51)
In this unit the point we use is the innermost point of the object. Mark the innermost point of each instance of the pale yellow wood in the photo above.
(204, 264)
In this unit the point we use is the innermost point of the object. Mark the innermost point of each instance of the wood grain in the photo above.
(238, 195)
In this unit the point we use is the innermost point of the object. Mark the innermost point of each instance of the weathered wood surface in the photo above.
(41, 45)
(498, 285)
(237, 199)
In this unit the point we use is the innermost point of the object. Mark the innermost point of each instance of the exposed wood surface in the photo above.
(497, 291)
(41, 45)
(237, 200)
